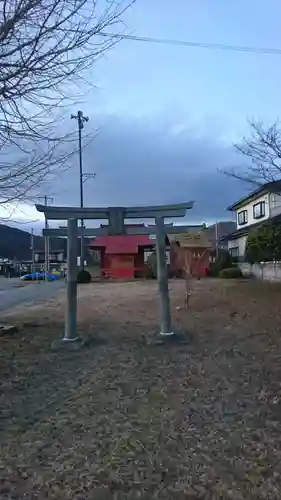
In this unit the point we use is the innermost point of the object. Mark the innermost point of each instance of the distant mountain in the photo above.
(16, 243)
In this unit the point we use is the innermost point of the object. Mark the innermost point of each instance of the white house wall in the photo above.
(275, 204)
(249, 207)
(272, 203)
(240, 243)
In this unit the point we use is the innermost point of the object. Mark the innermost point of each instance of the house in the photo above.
(258, 207)
(196, 244)
(122, 256)
(56, 257)
(14, 268)
(217, 232)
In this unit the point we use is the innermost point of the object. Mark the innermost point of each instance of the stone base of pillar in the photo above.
(68, 344)
(171, 338)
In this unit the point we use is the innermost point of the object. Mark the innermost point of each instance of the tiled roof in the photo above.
(124, 244)
(268, 187)
(191, 240)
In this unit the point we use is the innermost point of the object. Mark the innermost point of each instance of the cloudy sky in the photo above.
(168, 115)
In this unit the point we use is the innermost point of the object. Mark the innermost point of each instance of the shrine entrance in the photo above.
(116, 226)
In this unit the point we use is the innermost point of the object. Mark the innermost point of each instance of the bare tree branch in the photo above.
(45, 48)
(263, 149)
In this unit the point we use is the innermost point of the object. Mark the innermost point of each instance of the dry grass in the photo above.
(126, 418)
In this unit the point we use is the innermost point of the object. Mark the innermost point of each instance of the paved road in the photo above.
(9, 283)
(12, 294)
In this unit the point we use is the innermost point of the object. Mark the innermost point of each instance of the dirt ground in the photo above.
(127, 418)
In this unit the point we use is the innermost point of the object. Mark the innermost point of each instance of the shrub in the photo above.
(222, 261)
(152, 263)
(148, 273)
(171, 272)
(230, 273)
(213, 271)
(264, 244)
(83, 276)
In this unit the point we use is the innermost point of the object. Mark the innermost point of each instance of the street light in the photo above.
(81, 119)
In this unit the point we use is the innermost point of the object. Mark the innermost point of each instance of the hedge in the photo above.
(83, 276)
(230, 273)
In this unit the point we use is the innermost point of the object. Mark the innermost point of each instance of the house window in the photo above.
(259, 210)
(242, 217)
(234, 252)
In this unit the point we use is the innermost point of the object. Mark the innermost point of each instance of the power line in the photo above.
(197, 45)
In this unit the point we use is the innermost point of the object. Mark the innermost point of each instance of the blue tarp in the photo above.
(41, 276)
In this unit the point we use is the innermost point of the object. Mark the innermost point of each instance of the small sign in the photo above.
(152, 236)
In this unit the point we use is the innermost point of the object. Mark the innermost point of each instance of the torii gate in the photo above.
(116, 226)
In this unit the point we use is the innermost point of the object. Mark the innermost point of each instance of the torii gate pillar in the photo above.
(162, 276)
(71, 283)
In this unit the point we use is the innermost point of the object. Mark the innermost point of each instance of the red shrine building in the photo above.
(123, 257)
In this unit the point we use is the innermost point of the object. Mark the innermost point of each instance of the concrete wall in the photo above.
(269, 271)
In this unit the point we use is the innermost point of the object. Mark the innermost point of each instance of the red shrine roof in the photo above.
(123, 244)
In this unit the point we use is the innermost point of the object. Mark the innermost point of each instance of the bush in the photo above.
(147, 273)
(264, 244)
(83, 276)
(230, 273)
(213, 271)
(222, 261)
(152, 263)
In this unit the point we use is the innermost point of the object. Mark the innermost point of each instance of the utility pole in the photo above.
(47, 241)
(217, 239)
(32, 249)
(81, 119)
(46, 238)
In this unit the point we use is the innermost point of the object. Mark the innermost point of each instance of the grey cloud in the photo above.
(141, 161)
